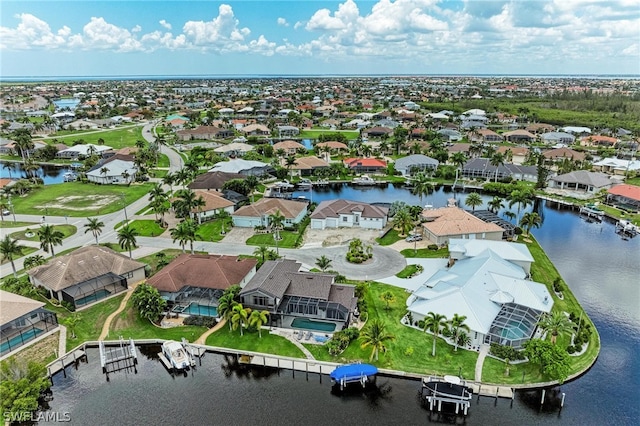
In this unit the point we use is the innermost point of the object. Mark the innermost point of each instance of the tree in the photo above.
(387, 296)
(33, 261)
(323, 262)
(71, 322)
(459, 159)
(421, 185)
(252, 184)
(239, 316)
(148, 302)
(257, 319)
(434, 323)
(290, 161)
(21, 386)
(495, 204)
(473, 200)
(530, 220)
(185, 232)
(94, 225)
(276, 220)
(49, 237)
(521, 197)
(403, 221)
(127, 238)
(497, 160)
(552, 360)
(555, 323)
(10, 249)
(458, 327)
(225, 307)
(261, 251)
(376, 336)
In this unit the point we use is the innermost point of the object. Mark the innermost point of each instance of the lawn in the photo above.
(67, 231)
(116, 138)
(389, 238)
(147, 227)
(426, 253)
(212, 231)
(288, 240)
(315, 133)
(407, 271)
(163, 160)
(87, 199)
(17, 224)
(91, 320)
(269, 343)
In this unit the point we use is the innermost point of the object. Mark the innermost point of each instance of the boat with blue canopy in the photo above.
(353, 373)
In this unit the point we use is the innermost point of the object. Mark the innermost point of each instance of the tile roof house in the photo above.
(87, 275)
(365, 165)
(444, 223)
(557, 154)
(234, 149)
(305, 166)
(280, 288)
(22, 320)
(518, 136)
(214, 205)
(256, 130)
(344, 213)
(257, 214)
(485, 135)
(289, 147)
(494, 293)
(625, 196)
(581, 181)
(202, 278)
(213, 180)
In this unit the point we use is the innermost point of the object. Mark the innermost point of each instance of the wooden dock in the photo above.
(63, 362)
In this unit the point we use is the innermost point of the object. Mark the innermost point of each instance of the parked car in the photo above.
(6, 212)
(412, 238)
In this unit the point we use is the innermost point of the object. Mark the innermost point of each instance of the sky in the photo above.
(309, 37)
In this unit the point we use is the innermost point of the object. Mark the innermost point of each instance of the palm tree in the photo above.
(71, 323)
(169, 179)
(276, 220)
(376, 336)
(127, 238)
(95, 226)
(434, 323)
(225, 306)
(104, 171)
(387, 296)
(457, 328)
(497, 160)
(32, 261)
(49, 237)
(555, 323)
(185, 232)
(323, 262)
(510, 215)
(10, 249)
(530, 220)
(459, 159)
(403, 221)
(473, 200)
(495, 204)
(261, 251)
(289, 162)
(257, 319)
(521, 197)
(239, 316)
(252, 184)
(421, 185)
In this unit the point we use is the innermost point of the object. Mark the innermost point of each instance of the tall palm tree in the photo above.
(252, 184)
(497, 160)
(127, 238)
(376, 336)
(239, 316)
(49, 237)
(473, 200)
(521, 197)
(276, 220)
(459, 159)
(10, 249)
(403, 221)
(458, 326)
(185, 232)
(225, 307)
(95, 226)
(289, 162)
(169, 179)
(495, 204)
(421, 185)
(185, 203)
(35, 260)
(261, 251)
(434, 323)
(530, 220)
(257, 319)
(555, 323)
(323, 262)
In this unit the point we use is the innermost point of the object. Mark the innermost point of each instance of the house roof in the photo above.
(286, 145)
(584, 177)
(626, 190)
(268, 206)
(306, 163)
(455, 221)
(414, 160)
(13, 306)
(212, 200)
(114, 168)
(506, 250)
(334, 208)
(333, 145)
(213, 180)
(564, 152)
(271, 277)
(520, 132)
(202, 270)
(81, 265)
(237, 166)
(364, 162)
(234, 146)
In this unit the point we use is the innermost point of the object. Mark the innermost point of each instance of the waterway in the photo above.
(48, 173)
(601, 268)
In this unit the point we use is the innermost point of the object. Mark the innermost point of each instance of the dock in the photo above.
(117, 355)
(592, 211)
(449, 390)
(63, 362)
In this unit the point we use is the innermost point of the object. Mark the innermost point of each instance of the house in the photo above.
(113, 171)
(343, 213)
(500, 303)
(617, 166)
(22, 320)
(514, 154)
(290, 296)
(450, 135)
(305, 166)
(258, 213)
(196, 282)
(234, 149)
(473, 121)
(204, 133)
(365, 165)
(576, 130)
(485, 136)
(332, 146)
(243, 167)
(255, 130)
(288, 131)
(559, 154)
(625, 196)
(289, 147)
(581, 181)
(517, 253)
(415, 163)
(377, 132)
(213, 180)
(481, 168)
(442, 224)
(598, 140)
(214, 205)
(87, 275)
(558, 138)
(520, 136)
(82, 150)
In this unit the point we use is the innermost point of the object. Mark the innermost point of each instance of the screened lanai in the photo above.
(191, 294)
(307, 306)
(22, 330)
(94, 289)
(513, 325)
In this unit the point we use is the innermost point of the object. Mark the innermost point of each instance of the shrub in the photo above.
(432, 247)
(352, 333)
(408, 351)
(68, 306)
(421, 323)
(517, 231)
(571, 349)
(200, 321)
(506, 352)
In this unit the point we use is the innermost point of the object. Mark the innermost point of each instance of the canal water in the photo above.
(49, 174)
(601, 268)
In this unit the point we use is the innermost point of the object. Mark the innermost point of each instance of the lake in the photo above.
(48, 173)
(600, 267)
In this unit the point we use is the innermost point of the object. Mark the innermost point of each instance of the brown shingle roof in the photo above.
(13, 306)
(81, 265)
(213, 180)
(272, 278)
(205, 271)
(212, 200)
(268, 206)
(333, 208)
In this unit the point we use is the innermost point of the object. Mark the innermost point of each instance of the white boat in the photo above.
(70, 177)
(285, 185)
(304, 184)
(176, 355)
(364, 180)
(627, 227)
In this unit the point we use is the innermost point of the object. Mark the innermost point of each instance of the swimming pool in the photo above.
(202, 310)
(98, 295)
(308, 324)
(514, 331)
(18, 340)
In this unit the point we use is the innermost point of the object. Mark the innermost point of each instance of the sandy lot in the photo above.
(75, 202)
(338, 237)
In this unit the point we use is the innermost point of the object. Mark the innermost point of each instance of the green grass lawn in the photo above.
(78, 199)
(158, 173)
(17, 224)
(389, 238)
(269, 343)
(91, 320)
(212, 231)
(288, 240)
(407, 271)
(147, 228)
(315, 133)
(116, 138)
(426, 253)
(163, 160)
(67, 231)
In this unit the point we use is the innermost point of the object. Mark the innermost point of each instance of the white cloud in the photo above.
(283, 22)
(165, 24)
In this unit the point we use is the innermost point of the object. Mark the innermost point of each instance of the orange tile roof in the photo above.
(365, 162)
(455, 221)
(626, 190)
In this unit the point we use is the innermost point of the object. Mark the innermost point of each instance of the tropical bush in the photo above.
(341, 339)
(200, 321)
(506, 352)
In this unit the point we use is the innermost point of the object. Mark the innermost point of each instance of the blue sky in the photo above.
(148, 37)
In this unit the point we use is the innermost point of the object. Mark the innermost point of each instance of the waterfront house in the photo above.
(243, 167)
(213, 180)
(305, 166)
(415, 163)
(291, 295)
(514, 154)
(258, 213)
(344, 213)
(481, 168)
(22, 320)
(113, 171)
(196, 281)
(625, 196)
(234, 149)
(82, 150)
(289, 147)
(581, 181)
(365, 165)
(87, 275)
(442, 224)
(489, 286)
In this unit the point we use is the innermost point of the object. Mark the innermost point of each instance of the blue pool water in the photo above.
(101, 294)
(514, 332)
(308, 324)
(202, 310)
(18, 341)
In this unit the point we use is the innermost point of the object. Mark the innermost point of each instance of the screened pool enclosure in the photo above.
(513, 326)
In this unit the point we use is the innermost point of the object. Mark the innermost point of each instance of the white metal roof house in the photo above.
(500, 303)
(116, 171)
(415, 163)
(243, 167)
